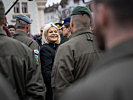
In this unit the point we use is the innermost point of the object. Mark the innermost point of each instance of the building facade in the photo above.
(50, 14)
(32, 8)
(57, 12)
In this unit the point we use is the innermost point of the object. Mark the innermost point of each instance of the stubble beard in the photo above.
(100, 38)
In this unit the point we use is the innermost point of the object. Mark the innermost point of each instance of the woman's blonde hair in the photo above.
(45, 31)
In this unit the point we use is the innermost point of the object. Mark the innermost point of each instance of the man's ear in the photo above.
(102, 14)
(28, 27)
(5, 20)
(71, 23)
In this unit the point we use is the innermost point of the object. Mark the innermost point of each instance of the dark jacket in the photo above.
(111, 78)
(47, 55)
(6, 90)
(74, 58)
(38, 39)
(18, 65)
(23, 37)
(64, 39)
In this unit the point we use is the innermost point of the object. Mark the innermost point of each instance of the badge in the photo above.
(36, 56)
(36, 51)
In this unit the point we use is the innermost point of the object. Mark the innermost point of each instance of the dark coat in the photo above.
(6, 90)
(111, 78)
(74, 58)
(64, 39)
(18, 65)
(47, 55)
(38, 39)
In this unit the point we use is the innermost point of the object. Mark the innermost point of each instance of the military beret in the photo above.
(66, 20)
(24, 18)
(81, 10)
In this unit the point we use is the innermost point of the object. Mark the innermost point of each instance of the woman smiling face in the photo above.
(52, 35)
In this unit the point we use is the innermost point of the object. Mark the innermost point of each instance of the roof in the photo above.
(51, 8)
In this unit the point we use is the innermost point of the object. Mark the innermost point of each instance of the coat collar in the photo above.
(22, 33)
(2, 32)
(117, 53)
(79, 32)
(55, 46)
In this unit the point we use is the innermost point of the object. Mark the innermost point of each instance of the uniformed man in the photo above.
(19, 68)
(112, 77)
(6, 90)
(75, 57)
(66, 29)
(22, 29)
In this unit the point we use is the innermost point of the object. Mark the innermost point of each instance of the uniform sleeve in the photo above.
(62, 73)
(46, 65)
(35, 85)
(35, 47)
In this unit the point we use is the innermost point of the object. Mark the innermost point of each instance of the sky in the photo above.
(50, 2)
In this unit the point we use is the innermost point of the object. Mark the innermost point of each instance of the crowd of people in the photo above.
(86, 57)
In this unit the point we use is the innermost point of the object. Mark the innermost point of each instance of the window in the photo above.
(17, 8)
(24, 7)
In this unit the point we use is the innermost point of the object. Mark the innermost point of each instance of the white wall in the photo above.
(32, 10)
(51, 17)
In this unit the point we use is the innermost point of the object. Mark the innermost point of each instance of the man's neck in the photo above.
(22, 30)
(118, 35)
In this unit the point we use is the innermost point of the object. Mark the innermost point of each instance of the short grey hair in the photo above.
(2, 12)
(81, 21)
(20, 24)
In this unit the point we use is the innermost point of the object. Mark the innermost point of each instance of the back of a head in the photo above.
(122, 10)
(2, 12)
(22, 21)
(81, 16)
(20, 24)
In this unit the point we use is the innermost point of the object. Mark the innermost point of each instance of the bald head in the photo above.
(2, 12)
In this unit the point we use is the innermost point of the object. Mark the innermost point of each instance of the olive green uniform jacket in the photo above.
(73, 59)
(111, 78)
(18, 65)
(23, 37)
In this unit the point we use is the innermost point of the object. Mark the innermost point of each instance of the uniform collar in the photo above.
(2, 32)
(22, 33)
(117, 53)
(79, 32)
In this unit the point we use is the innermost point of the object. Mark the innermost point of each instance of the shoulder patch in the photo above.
(36, 51)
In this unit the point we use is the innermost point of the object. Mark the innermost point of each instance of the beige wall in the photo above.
(35, 11)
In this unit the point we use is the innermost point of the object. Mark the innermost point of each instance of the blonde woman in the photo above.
(50, 42)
